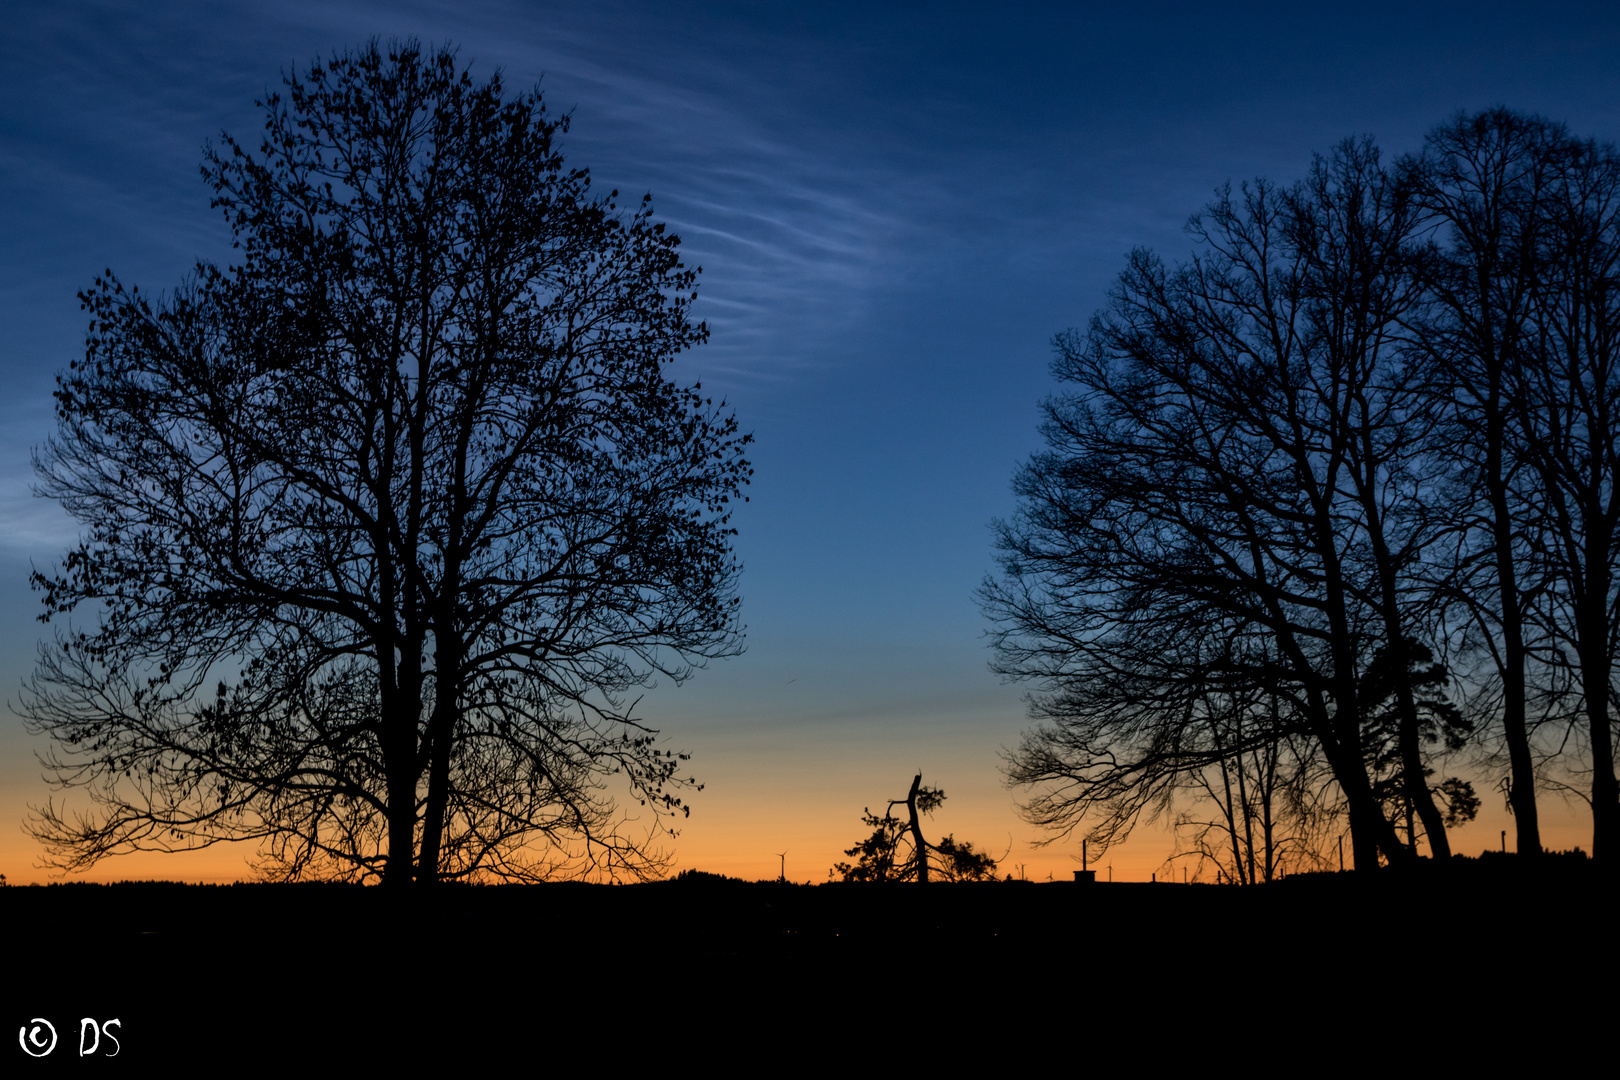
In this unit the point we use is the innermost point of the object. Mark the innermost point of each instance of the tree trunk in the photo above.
(1595, 663)
(441, 729)
(1515, 728)
(441, 732)
(1417, 784)
(1413, 779)
(921, 845)
(401, 708)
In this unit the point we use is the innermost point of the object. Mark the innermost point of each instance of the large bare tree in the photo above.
(384, 523)
(1226, 509)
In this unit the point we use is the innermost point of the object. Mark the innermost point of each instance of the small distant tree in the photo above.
(897, 851)
(877, 858)
(960, 862)
(1396, 751)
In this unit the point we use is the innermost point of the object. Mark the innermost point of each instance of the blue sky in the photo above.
(895, 206)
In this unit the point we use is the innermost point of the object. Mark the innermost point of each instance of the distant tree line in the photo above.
(1331, 505)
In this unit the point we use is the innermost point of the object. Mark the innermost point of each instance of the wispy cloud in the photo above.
(31, 527)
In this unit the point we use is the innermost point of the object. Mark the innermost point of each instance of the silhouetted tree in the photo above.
(1268, 806)
(1484, 179)
(1522, 343)
(383, 522)
(1376, 416)
(1233, 467)
(1391, 745)
(897, 851)
(878, 858)
(1573, 446)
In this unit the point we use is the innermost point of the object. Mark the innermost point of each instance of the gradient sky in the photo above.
(895, 207)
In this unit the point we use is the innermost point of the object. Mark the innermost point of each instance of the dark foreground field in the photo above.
(1485, 958)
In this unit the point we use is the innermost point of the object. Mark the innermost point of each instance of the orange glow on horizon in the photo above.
(727, 837)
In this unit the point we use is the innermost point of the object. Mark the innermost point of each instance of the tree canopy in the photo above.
(385, 521)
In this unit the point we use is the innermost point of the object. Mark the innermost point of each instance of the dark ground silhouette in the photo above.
(569, 972)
